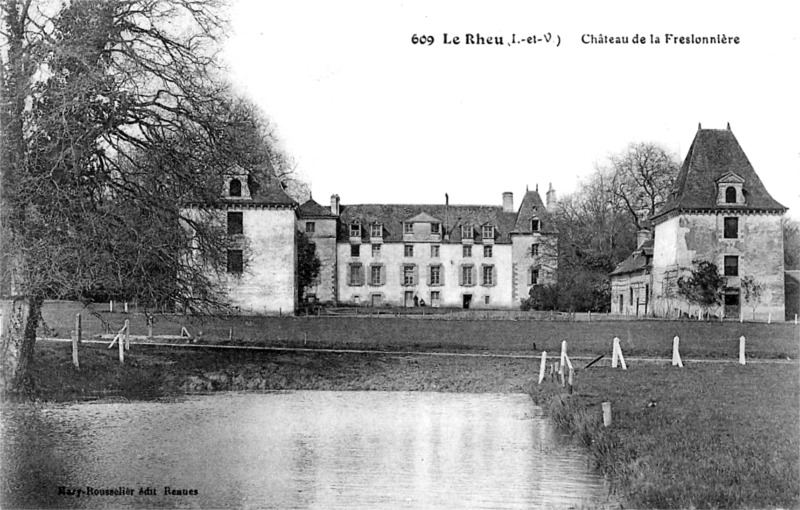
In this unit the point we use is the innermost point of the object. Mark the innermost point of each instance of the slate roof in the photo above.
(392, 216)
(311, 209)
(637, 261)
(533, 207)
(713, 154)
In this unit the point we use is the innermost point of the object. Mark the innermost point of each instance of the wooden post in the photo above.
(741, 350)
(563, 352)
(76, 338)
(542, 366)
(126, 307)
(127, 335)
(590, 316)
(616, 355)
(606, 414)
(230, 334)
(676, 354)
(795, 320)
(741, 316)
(571, 373)
(121, 346)
(769, 318)
(150, 327)
(111, 306)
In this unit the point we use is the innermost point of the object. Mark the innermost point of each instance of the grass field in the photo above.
(649, 338)
(706, 436)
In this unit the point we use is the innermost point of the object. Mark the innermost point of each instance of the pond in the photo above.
(305, 449)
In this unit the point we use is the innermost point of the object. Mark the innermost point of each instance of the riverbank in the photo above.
(705, 436)
(709, 435)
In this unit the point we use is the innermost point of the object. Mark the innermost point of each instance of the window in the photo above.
(408, 228)
(466, 251)
(235, 261)
(409, 250)
(731, 265)
(376, 250)
(235, 223)
(376, 230)
(466, 231)
(487, 232)
(631, 295)
(487, 251)
(434, 250)
(534, 225)
(310, 227)
(435, 297)
(730, 195)
(356, 275)
(435, 275)
(534, 276)
(355, 230)
(488, 275)
(408, 275)
(375, 275)
(731, 230)
(466, 275)
(435, 228)
(534, 250)
(235, 188)
(355, 250)
(486, 300)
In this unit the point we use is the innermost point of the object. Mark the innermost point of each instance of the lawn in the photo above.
(649, 338)
(709, 435)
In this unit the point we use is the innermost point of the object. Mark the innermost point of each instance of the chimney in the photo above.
(642, 236)
(335, 205)
(445, 232)
(551, 198)
(508, 202)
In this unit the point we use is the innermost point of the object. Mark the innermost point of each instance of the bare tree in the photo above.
(641, 178)
(113, 117)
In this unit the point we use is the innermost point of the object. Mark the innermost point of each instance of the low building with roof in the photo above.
(719, 211)
(632, 279)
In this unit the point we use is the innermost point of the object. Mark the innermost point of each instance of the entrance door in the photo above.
(409, 298)
(732, 304)
(376, 300)
(467, 300)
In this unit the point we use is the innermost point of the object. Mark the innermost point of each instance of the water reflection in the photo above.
(295, 450)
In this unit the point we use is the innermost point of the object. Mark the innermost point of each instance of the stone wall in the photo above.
(392, 291)
(688, 238)
(268, 283)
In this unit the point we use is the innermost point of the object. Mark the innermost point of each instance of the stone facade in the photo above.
(720, 212)
(440, 255)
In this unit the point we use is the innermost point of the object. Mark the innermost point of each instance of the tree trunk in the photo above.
(18, 345)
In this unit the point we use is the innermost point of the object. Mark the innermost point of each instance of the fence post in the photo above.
(149, 326)
(111, 305)
(741, 350)
(542, 366)
(127, 335)
(606, 414)
(769, 318)
(571, 372)
(126, 307)
(76, 339)
(617, 355)
(676, 354)
(121, 345)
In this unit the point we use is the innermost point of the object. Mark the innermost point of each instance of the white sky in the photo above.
(372, 117)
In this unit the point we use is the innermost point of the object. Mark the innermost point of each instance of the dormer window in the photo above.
(235, 188)
(730, 190)
(355, 230)
(535, 225)
(408, 228)
(466, 231)
(487, 232)
(435, 228)
(376, 230)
